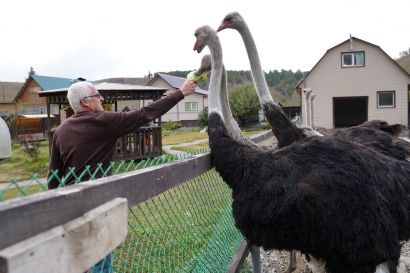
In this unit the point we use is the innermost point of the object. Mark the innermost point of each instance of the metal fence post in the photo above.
(256, 259)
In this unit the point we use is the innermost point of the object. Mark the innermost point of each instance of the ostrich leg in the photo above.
(256, 259)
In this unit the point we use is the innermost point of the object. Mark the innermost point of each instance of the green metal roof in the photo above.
(47, 83)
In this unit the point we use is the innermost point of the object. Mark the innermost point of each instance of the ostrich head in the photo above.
(232, 20)
(206, 36)
(206, 65)
(202, 36)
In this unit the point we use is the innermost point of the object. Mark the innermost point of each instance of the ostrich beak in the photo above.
(222, 26)
(197, 47)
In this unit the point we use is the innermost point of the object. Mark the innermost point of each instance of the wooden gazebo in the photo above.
(144, 142)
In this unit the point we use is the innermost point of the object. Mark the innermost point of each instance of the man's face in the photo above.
(93, 102)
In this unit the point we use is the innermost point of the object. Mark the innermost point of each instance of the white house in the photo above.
(355, 81)
(187, 110)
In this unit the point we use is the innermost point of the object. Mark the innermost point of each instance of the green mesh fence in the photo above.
(186, 229)
(35, 184)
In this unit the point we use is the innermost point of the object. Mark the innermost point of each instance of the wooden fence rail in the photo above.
(25, 218)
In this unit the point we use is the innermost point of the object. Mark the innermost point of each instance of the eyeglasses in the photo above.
(98, 95)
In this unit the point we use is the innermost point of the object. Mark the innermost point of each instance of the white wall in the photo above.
(328, 79)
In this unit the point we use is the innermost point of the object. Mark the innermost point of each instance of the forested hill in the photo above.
(404, 61)
(281, 83)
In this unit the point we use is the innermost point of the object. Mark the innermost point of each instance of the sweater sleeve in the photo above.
(125, 122)
(55, 164)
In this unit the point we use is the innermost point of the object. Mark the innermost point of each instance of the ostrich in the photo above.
(380, 136)
(285, 131)
(337, 200)
(373, 134)
(314, 265)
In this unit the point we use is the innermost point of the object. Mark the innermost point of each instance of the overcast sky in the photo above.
(129, 38)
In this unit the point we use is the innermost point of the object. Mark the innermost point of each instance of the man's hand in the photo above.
(188, 87)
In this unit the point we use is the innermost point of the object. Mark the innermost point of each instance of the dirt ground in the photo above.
(277, 261)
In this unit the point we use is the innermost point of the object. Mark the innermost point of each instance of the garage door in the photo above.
(349, 111)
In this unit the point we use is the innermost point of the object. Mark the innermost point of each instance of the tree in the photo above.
(244, 104)
(405, 53)
(203, 117)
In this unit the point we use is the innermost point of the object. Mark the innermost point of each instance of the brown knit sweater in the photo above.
(89, 138)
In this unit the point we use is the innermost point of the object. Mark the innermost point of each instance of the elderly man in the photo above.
(89, 136)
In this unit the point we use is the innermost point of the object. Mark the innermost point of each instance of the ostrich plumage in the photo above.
(380, 136)
(335, 199)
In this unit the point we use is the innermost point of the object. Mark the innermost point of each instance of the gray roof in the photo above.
(177, 82)
(135, 81)
(9, 90)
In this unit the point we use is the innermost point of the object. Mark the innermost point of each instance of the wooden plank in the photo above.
(236, 264)
(73, 247)
(28, 216)
(25, 217)
(262, 137)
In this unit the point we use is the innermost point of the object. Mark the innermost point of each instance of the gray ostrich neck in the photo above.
(218, 95)
(231, 125)
(256, 67)
(216, 76)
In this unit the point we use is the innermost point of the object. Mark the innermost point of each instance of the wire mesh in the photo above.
(187, 229)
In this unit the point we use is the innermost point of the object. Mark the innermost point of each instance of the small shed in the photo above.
(5, 143)
(29, 128)
(144, 142)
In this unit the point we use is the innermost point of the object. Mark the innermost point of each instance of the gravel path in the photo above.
(274, 261)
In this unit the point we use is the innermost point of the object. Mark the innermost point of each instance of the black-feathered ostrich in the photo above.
(380, 136)
(374, 134)
(337, 200)
(284, 130)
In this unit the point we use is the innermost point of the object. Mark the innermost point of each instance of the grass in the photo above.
(170, 232)
(14, 192)
(203, 145)
(194, 147)
(176, 137)
(174, 231)
(20, 166)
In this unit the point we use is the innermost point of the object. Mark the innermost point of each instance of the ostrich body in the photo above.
(337, 200)
(380, 136)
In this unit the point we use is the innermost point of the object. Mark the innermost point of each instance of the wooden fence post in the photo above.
(72, 247)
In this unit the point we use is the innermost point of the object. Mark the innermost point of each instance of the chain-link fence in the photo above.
(188, 228)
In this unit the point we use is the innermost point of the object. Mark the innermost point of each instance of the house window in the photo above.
(386, 99)
(191, 106)
(352, 59)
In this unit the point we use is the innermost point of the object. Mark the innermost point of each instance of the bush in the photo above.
(9, 121)
(31, 149)
(244, 104)
(266, 126)
(172, 125)
(203, 117)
